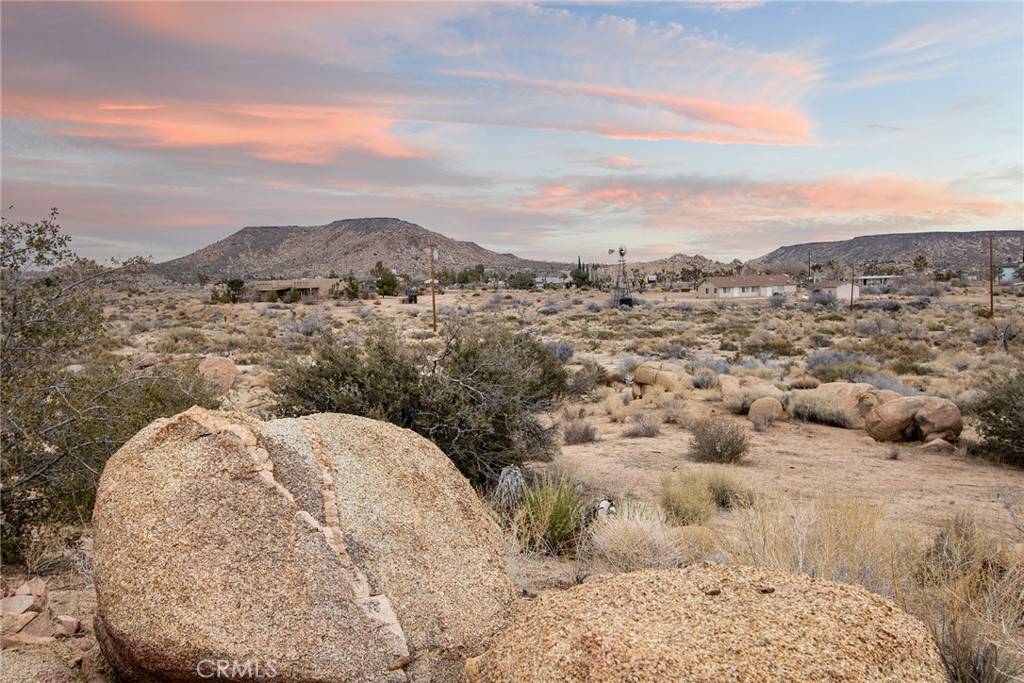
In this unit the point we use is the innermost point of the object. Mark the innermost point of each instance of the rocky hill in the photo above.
(355, 245)
(967, 251)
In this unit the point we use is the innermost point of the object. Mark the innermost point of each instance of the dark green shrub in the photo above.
(476, 399)
(999, 416)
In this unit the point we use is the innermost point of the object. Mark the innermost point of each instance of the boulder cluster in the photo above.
(334, 547)
(29, 620)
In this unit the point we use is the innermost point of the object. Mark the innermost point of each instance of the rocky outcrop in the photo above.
(914, 418)
(843, 404)
(710, 623)
(334, 546)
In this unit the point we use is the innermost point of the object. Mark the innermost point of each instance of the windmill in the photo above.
(623, 297)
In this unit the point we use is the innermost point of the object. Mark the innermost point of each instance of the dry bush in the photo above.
(705, 378)
(687, 500)
(578, 431)
(639, 536)
(833, 538)
(716, 439)
(809, 408)
(645, 426)
(618, 410)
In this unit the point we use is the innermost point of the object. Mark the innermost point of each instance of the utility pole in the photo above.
(433, 281)
(991, 282)
(851, 286)
(808, 268)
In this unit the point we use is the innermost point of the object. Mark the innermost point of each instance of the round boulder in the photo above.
(913, 418)
(219, 372)
(330, 547)
(766, 409)
(710, 623)
(664, 375)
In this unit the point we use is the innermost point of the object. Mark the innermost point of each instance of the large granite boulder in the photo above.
(843, 404)
(915, 418)
(329, 547)
(219, 372)
(710, 623)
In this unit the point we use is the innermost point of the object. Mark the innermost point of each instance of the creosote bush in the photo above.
(999, 414)
(718, 440)
(476, 398)
(644, 426)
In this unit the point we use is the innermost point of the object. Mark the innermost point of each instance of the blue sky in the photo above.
(724, 128)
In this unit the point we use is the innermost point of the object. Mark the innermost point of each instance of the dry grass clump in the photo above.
(718, 440)
(809, 408)
(579, 431)
(705, 378)
(964, 585)
(644, 426)
(639, 536)
(691, 497)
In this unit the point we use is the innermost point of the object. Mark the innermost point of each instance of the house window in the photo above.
(726, 290)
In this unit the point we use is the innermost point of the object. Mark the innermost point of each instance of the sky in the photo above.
(726, 128)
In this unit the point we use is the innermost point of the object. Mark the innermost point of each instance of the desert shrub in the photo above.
(644, 426)
(687, 500)
(823, 298)
(306, 326)
(638, 536)
(803, 406)
(971, 653)
(57, 428)
(880, 380)
(770, 345)
(804, 382)
(476, 399)
(578, 431)
(552, 515)
(725, 488)
(777, 300)
(705, 378)
(561, 350)
(833, 366)
(589, 377)
(293, 297)
(716, 439)
(999, 413)
(507, 494)
(628, 364)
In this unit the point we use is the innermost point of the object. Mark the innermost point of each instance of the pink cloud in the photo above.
(735, 202)
(298, 134)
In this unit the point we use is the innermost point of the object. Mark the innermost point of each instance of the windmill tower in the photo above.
(623, 296)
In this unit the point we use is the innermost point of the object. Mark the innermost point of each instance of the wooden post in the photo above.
(991, 282)
(433, 278)
(851, 286)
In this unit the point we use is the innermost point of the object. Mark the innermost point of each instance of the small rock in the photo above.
(219, 372)
(40, 626)
(938, 446)
(18, 604)
(12, 623)
(22, 639)
(34, 586)
(68, 624)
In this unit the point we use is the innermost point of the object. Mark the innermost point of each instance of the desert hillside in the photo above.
(355, 245)
(966, 251)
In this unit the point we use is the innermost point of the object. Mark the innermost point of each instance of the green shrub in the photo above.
(476, 399)
(999, 414)
(293, 297)
(552, 515)
(718, 440)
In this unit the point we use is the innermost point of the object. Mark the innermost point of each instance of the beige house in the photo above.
(312, 288)
(841, 291)
(746, 287)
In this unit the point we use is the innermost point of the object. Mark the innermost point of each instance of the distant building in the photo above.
(841, 291)
(746, 287)
(1007, 272)
(876, 280)
(546, 281)
(308, 288)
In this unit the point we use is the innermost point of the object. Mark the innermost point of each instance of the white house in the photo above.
(876, 280)
(841, 291)
(746, 287)
(1007, 272)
